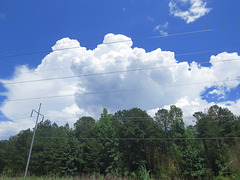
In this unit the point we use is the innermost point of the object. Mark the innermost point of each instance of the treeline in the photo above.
(131, 143)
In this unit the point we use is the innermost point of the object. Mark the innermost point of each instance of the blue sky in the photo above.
(29, 27)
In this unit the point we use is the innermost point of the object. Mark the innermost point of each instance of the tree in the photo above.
(89, 149)
(82, 127)
(171, 124)
(192, 161)
(72, 160)
(163, 121)
(215, 123)
(3, 154)
(48, 149)
(107, 134)
(134, 126)
(132, 143)
(176, 117)
(19, 154)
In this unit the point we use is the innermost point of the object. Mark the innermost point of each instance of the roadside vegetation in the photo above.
(129, 145)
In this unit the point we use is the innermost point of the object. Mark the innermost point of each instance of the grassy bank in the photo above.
(86, 177)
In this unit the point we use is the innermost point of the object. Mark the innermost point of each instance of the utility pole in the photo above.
(30, 151)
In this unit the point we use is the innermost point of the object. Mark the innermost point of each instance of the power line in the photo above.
(146, 139)
(134, 39)
(122, 119)
(190, 32)
(142, 32)
(201, 52)
(121, 61)
(121, 90)
(112, 72)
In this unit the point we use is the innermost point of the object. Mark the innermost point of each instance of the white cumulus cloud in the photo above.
(116, 76)
(195, 9)
(55, 64)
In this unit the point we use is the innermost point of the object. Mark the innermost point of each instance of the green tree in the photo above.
(18, 149)
(89, 148)
(48, 149)
(170, 122)
(106, 132)
(171, 125)
(82, 127)
(72, 160)
(216, 123)
(192, 162)
(134, 127)
(177, 126)
(3, 155)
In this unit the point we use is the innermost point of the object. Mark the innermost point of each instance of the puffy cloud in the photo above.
(196, 10)
(55, 64)
(178, 83)
(159, 81)
(217, 92)
(188, 106)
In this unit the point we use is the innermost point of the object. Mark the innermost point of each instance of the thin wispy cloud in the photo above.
(162, 29)
(2, 16)
(149, 18)
(195, 9)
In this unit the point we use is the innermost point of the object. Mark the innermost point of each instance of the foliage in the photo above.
(192, 161)
(144, 174)
(130, 143)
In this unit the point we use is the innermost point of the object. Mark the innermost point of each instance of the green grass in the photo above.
(85, 177)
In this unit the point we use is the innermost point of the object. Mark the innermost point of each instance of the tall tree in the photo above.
(192, 161)
(171, 124)
(216, 123)
(135, 126)
(107, 133)
(72, 159)
(84, 130)
(82, 127)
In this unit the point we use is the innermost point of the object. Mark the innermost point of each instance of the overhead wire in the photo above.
(125, 70)
(121, 90)
(120, 61)
(98, 38)
(147, 139)
(129, 40)
(137, 70)
(122, 119)
(207, 30)
(113, 72)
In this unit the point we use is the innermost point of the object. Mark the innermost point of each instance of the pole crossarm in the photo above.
(37, 113)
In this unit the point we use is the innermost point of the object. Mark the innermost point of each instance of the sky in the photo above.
(77, 57)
